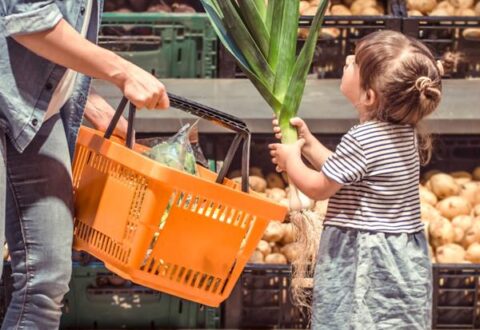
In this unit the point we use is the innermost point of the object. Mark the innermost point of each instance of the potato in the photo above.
(275, 247)
(441, 232)
(264, 247)
(274, 232)
(256, 258)
(450, 254)
(428, 175)
(427, 196)
(458, 235)
(275, 258)
(476, 210)
(291, 251)
(276, 194)
(304, 5)
(340, 10)
(289, 233)
(414, 12)
(371, 11)
(467, 12)
(472, 235)
(463, 4)
(424, 6)
(471, 33)
(429, 213)
(310, 11)
(439, 12)
(257, 184)
(463, 221)
(329, 33)
(256, 171)
(461, 174)
(303, 33)
(359, 6)
(461, 177)
(445, 6)
(452, 206)
(471, 192)
(274, 180)
(473, 253)
(443, 185)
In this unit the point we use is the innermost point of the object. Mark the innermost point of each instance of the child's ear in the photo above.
(370, 98)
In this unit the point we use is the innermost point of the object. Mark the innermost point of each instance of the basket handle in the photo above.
(217, 117)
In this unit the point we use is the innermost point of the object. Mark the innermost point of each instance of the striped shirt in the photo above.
(378, 165)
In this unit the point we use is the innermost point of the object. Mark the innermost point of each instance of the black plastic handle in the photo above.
(215, 116)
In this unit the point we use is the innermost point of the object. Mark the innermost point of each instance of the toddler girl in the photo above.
(373, 269)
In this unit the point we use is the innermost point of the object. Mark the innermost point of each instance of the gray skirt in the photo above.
(367, 280)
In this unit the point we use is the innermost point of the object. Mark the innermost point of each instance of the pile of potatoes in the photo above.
(443, 8)
(160, 6)
(278, 242)
(339, 8)
(450, 208)
(344, 8)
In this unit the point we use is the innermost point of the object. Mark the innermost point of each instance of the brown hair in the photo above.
(406, 78)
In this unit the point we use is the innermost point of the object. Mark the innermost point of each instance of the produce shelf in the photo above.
(323, 106)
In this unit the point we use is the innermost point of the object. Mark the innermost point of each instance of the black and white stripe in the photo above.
(378, 165)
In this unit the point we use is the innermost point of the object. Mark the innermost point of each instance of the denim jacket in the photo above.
(27, 81)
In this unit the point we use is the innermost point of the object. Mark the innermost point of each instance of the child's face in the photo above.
(350, 85)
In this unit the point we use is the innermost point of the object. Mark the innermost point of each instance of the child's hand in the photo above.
(302, 129)
(282, 154)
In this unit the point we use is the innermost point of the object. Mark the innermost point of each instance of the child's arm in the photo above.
(312, 183)
(313, 150)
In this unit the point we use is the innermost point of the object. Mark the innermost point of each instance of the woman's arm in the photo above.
(63, 45)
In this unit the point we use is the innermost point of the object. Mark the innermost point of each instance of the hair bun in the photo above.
(423, 83)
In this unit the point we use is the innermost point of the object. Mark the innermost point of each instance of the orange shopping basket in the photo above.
(189, 236)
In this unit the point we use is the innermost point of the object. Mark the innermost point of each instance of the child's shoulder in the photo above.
(371, 129)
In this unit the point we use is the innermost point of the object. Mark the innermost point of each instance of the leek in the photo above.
(263, 39)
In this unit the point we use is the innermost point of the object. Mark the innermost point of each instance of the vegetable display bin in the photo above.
(444, 34)
(173, 46)
(100, 300)
(262, 300)
(189, 236)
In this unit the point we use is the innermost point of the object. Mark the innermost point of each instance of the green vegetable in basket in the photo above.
(175, 152)
(263, 39)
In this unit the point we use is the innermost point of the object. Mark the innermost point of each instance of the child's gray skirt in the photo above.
(367, 280)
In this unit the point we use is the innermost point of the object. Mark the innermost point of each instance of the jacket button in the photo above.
(34, 121)
(49, 86)
(82, 10)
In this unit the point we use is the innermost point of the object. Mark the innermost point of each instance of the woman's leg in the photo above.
(3, 191)
(39, 228)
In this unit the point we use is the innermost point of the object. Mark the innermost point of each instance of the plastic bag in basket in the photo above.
(175, 152)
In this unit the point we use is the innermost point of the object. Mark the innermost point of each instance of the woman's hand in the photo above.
(143, 89)
(100, 113)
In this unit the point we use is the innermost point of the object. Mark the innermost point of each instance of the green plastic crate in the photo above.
(91, 305)
(172, 45)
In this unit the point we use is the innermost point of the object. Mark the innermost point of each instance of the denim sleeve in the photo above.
(27, 16)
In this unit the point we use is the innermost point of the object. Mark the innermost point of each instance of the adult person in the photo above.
(48, 54)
